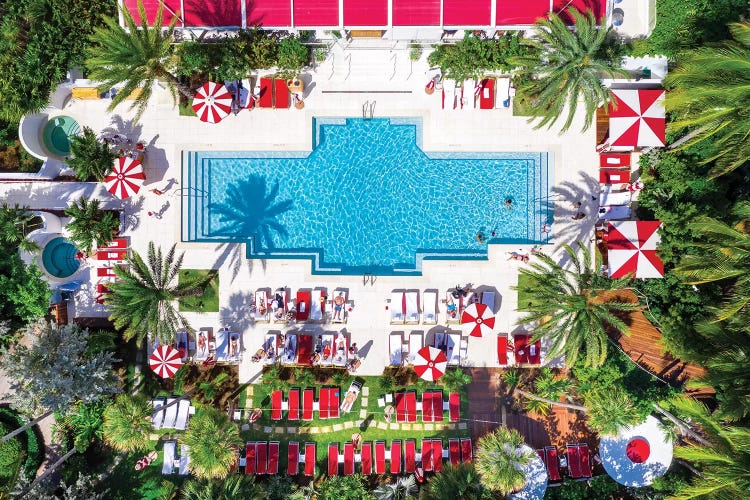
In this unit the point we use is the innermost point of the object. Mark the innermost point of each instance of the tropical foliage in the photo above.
(500, 458)
(90, 226)
(213, 441)
(571, 307)
(473, 56)
(83, 424)
(126, 423)
(227, 488)
(610, 410)
(401, 489)
(343, 488)
(15, 223)
(90, 158)
(563, 66)
(708, 98)
(459, 481)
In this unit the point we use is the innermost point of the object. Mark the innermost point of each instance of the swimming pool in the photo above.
(367, 199)
(59, 257)
(57, 132)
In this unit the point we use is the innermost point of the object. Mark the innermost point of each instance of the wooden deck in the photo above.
(602, 124)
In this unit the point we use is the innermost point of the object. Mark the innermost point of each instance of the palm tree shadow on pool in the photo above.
(251, 212)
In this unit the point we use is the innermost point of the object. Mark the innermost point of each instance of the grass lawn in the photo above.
(149, 484)
(209, 301)
(524, 299)
(186, 110)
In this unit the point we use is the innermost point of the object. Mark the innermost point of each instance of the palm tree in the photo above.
(708, 95)
(724, 466)
(403, 488)
(459, 481)
(137, 55)
(126, 423)
(227, 488)
(725, 256)
(143, 299)
(89, 157)
(455, 378)
(213, 442)
(611, 409)
(500, 459)
(90, 226)
(569, 307)
(15, 223)
(566, 65)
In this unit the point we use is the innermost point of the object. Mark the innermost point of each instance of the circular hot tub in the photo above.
(59, 257)
(57, 133)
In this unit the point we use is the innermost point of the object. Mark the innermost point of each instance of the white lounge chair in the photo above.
(341, 356)
(397, 308)
(184, 468)
(503, 93)
(222, 345)
(260, 313)
(614, 212)
(454, 352)
(412, 308)
(429, 308)
(279, 306)
(469, 93)
(395, 347)
(351, 396)
(289, 353)
(316, 306)
(451, 99)
(270, 347)
(157, 418)
(203, 340)
(416, 342)
(181, 343)
(339, 316)
(183, 410)
(488, 299)
(170, 449)
(170, 414)
(613, 198)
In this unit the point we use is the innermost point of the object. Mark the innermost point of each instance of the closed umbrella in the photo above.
(126, 177)
(165, 361)
(480, 317)
(212, 102)
(430, 363)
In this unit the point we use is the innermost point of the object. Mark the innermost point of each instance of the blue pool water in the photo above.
(59, 257)
(367, 199)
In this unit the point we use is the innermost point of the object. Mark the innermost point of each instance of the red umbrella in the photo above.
(165, 361)
(212, 103)
(631, 249)
(481, 316)
(637, 118)
(126, 177)
(430, 363)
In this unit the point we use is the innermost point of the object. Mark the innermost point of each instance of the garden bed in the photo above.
(209, 301)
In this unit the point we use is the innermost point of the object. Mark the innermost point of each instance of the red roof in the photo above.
(202, 13)
(365, 12)
(520, 11)
(598, 7)
(171, 7)
(416, 12)
(316, 12)
(466, 12)
(269, 12)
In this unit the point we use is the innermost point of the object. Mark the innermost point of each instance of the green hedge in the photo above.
(29, 446)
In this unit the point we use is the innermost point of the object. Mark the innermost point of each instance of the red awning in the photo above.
(466, 12)
(316, 13)
(598, 7)
(520, 11)
(269, 13)
(171, 7)
(216, 13)
(365, 12)
(416, 12)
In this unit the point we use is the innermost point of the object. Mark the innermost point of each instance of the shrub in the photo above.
(473, 56)
(90, 158)
(386, 383)
(292, 55)
(10, 456)
(196, 58)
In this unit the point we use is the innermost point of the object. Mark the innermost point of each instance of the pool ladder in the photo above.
(368, 110)
(368, 278)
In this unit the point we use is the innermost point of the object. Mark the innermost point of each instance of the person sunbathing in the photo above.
(202, 343)
(233, 346)
(338, 305)
(326, 351)
(451, 309)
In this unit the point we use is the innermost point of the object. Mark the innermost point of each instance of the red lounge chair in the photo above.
(101, 288)
(293, 404)
(250, 458)
(366, 457)
(399, 400)
(437, 455)
(521, 343)
(380, 457)
(553, 465)
(410, 456)
(105, 272)
(266, 93)
(310, 459)
(292, 458)
(282, 93)
(303, 305)
(427, 407)
(487, 94)
(111, 254)
(584, 454)
(276, 397)
(305, 350)
(333, 459)
(614, 160)
(466, 451)
(348, 459)
(454, 451)
(273, 457)
(427, 455)
(261, 455)
(308, 397)
(454, 406)
(535, 352)
(116, 244)
(396, 456)
(574, 461)
(333, 402)
(323, 402)
(437, 406)
(411, 406)
(502, 350)
(614, 176)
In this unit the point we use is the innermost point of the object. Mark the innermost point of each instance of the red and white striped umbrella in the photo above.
(126, 177)
(482, 318)
(637, 118)
(212, 103)
(631, 249)
(165, 361)
(430, 363)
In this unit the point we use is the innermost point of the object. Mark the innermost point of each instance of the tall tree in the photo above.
(91, 226)
(15, 223)
(569, 306)
(90, 158)
(143, 300)
(126, 423)
(24, 294)
(227, 488)
(565, 66)
(709, 95)
(214, 443)
(459, 481)
(136, 56)
(500, 458)
(55, 372)
(610, 410)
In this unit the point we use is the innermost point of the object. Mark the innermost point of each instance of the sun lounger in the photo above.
(250, 458)
(583, 455)
(612, 197)
(317, 305)
(467, 452)
(348, 459)
(265, 99)
(105, 272)
(614, 176)
(170, 414)
(339, 305)
(429, 308)
(270, 348)
(487, 94)
(276, 397)
(323, 402)
(399, 401)
(183, 411)
(396, 456)
(454, 407)
(614, 212)
(328, 349)
(411, 407)
(450, 100)
(273, 457)
(204, 338)
(289, 356)
(281, 92)
(535, 353)
(308, 397)
(395, 348)
(245, 91)
(614, 160)
(184, 468)
(309, 459)
(410, 456)
(115, 244)
(181, 343)
(412, 307)
(380, 457)
(111, 255)
(437, 455)
(341, 350)
(453, 352)
(427, 455)
(502, 350)
(260, 309)
(292, 458)
(303, 305)
(453, 308)
(261, 457)
(398, 308)
(157, 417)
(305, 350)
(333, 402)
(548, 454)
(278, 306)
(427, 407)
(293, 404)
(437, 406)
(416, 342)
(574, 461)
(488, 299)
(351, 396)
(503, 93)
(454, 451)
(222, 345)
(333, 459)
(170, 449)
(366, 458)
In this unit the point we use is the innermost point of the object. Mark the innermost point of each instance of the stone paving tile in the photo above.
(383, 426)
(325, 429)
(153, 437)
(365, 391)
(463, 426)
(359, 423)
(394, 427)
(416, 427)
(348, 425)
(450, 426)
(291, 430)
(362, 413)
(338, 427)
(406, 427)
(245, 427)
(429, 427)
(268, 430)
(439, 427)
(256, 427)
(314, 430)
(365, 401)
(278, 430)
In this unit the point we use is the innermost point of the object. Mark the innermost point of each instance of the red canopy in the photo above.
(631, 249)
(416, 12)
(171, 8)
(212, 14)
(511, 12)
(269, 13)
(466, 12)
(598, 7)
(316, 13)
(637, 118)
(365, 12)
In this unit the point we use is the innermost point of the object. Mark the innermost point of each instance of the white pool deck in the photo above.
(167, 135)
